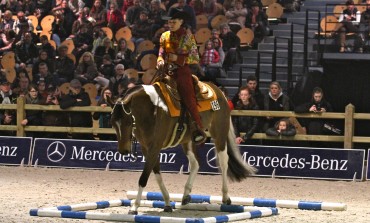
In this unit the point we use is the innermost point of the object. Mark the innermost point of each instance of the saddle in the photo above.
(203, 92)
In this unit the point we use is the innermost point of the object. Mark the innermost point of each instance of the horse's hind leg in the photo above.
(194, 167)
(165, 194)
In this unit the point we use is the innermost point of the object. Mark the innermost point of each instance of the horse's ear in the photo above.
(110, 102)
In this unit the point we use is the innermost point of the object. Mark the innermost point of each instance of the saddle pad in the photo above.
(203, 105)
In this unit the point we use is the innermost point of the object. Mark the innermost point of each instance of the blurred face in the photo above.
(252, 85)
(174, 24)
(238, 5)
(43, 69)
(274, 90)
(27, 38)
(215, 43)
(97, 3)
(224, 30)
(112, 7)
(120, 70)
(154, 6)
(244, 96)
(41, 86)
(282, 125)
(317, 97)
(107, 43)
(181, 3)
(351, 7)
(5, 87)
(33, 93)
(23, 83)
(209, 45)
(86, 58)
(136, 2)
(123, 44)
(43, 56)
(107, 93)
(64, 4)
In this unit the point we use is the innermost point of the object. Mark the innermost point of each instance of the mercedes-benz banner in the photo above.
(15, 150)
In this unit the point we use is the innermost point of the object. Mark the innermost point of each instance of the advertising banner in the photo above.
(15, 150)
(97, 155)
(295, 162)
(368, 165)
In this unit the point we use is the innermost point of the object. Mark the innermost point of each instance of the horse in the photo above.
(142, 113)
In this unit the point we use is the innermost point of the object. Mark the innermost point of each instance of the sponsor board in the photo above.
(14, 150)
(97, 155)
(295, 162)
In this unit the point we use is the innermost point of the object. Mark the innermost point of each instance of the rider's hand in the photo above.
(160, 64)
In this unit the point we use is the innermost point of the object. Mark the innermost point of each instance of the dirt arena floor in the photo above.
(24, 188)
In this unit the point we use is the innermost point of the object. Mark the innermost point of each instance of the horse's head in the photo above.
(122, 121)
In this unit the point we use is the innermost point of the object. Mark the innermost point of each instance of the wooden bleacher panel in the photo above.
(35, 22)
(72, 57)
(202, 21)
(46, 22)
(148, 76)
(357, 1)
(148, 61)
(202, 35)
(53, 44)
(10, 74)
(69, 43)
(274, 11)
(130, 45)
(132, 73)
(361, 8)
(338, 10)
(124, 32)
(246, 36)
(268, 2)
(145, 45)
(217, 21)
(64, 88)
(108, 32)
(92, 91)
(328, 24)
(8, 60)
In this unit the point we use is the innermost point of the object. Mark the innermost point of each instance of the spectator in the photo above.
(182, 6)
(22, 84)
(22, 21)
(141, 29)
(198, 7)
(237, 14)
(114, 18)
(76, 6)
(104, 49)
(77, 97)
(257, 21)
(155, 16)
(44, 75)
(106, 72)
(104, 117)
(230, 44)
(124, 55)
(43, 58)
(83, 42)
(82, 20)
(348, 22)
(364, 26)
(119, 77)
(42, 89)
(7, 22)
(133, 13)
(64, 66)
(126, 5)
(43, 7)
(252, 85)
(99, 14)
(26, 52)
(33, 117)
(7, 117)
(46, 46)
(99, 36)
(317, 105)
(7, 41)
(28, 7)
(275, 101)
(210, 57)
(54, 118)
(210, 10)
(246, 124)
(282, 128)
(59, 29)
(86, 69)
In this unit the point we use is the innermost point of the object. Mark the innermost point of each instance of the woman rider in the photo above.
(178, 46)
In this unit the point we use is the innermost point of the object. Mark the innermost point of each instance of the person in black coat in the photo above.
(257, 20)
(317, 105)
(77, 97)
(282, 128)
(246, 124)
(230, 45)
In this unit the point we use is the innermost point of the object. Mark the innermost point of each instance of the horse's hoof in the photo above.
(167, 209)
(132, 212)
(186, 200)
(228, 201)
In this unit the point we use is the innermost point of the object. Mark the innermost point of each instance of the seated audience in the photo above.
(86, 69)
(282, 128)
(257, 21)
(230, 44)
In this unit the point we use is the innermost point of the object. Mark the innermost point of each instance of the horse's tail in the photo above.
(237, 168)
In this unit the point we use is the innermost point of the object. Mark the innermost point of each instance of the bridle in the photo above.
(133, 123)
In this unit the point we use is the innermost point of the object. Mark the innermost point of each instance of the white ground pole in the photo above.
(260, 202)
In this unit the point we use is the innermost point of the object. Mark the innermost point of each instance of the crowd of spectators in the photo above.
(41, 68)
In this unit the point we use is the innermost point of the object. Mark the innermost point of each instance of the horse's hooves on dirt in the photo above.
(133, 212)
(167, 209)
(186, 200)
(228, 201)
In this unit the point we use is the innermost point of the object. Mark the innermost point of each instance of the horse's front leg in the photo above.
(165, 194)
(223, 160)
(194, 168)
(148, 167)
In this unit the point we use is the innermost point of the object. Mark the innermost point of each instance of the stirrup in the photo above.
(199, 137)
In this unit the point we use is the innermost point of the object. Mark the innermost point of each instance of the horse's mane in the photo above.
(126, 98)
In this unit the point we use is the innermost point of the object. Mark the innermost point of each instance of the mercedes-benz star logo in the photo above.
(211, 158)
(56, 151)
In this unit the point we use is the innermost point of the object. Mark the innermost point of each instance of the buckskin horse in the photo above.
(145, 113)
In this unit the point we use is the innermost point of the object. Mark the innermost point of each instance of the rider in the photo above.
(178, 46)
